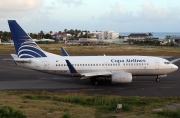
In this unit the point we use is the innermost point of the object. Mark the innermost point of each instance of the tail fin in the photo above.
(24, 45)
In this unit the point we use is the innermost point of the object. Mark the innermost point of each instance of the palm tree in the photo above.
(41, 34)
(150, 34)
(50, 32)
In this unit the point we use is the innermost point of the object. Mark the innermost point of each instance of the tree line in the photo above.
(75, 34)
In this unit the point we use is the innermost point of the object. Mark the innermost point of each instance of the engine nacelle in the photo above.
(122, 77)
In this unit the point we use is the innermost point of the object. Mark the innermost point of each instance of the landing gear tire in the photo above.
(157, 79)
(96, 82)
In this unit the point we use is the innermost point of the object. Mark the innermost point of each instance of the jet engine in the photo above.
(122, 77)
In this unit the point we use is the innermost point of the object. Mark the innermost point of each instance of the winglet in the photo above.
(175, 60)
(71, 68)
(64, 52)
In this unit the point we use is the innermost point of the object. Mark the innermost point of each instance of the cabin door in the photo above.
(156, 64)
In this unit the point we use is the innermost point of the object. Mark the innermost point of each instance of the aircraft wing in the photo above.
(175, 60)
(87, 74)
(96, 73)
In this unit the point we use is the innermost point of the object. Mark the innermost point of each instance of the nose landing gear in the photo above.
(157, 79)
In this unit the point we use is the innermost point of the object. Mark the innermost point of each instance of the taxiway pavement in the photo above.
(16, 78)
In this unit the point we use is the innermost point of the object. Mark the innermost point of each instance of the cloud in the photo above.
(147, 12)
(150, 12)
(17, 8)
(119, 13)
(73, 2)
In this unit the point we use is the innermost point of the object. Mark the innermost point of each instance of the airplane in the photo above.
(118, 69)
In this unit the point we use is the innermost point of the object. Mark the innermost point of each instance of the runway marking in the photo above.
(154, 81)
(168, 87)
(84, 90)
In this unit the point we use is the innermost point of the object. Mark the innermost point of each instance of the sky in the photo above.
(92, 15)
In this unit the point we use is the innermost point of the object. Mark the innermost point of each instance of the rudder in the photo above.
(24, 45)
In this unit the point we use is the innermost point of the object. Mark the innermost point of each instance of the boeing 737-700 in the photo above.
(118, 69)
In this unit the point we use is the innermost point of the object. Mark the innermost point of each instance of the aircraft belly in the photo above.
(148, 71)
(141, 71)
(57, 72)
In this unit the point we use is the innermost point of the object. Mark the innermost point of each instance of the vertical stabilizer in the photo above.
(24, 45)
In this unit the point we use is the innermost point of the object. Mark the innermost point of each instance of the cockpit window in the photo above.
(166, 62)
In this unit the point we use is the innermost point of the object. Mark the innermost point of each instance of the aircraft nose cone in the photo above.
(174, 67)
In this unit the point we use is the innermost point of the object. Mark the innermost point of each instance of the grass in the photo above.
(170, 113)
(9, 112)
(100, 50)
(46, 104)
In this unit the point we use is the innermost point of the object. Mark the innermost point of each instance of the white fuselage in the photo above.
(136, 65)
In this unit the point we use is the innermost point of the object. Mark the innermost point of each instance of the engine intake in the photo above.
(122, 77)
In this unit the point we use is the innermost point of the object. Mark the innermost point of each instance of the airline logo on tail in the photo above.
(25, 46)
(29, 49)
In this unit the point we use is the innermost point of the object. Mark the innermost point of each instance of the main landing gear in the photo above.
(95, 81)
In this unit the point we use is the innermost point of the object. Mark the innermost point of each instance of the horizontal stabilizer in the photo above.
(14, 56)
(18, 60)
(22, 61)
